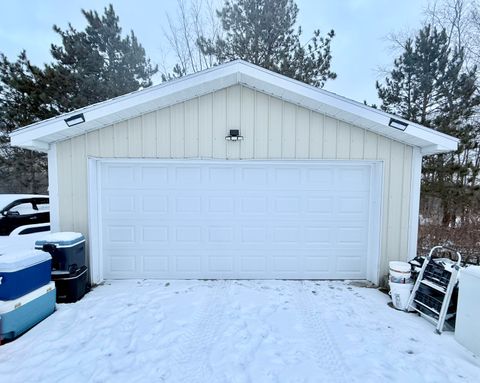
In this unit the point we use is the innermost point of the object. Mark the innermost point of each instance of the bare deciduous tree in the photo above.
(193, 19)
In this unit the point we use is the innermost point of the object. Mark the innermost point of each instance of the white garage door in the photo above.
(236, 219)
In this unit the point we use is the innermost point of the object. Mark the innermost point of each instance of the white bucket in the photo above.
(400, 292)
(400, 270)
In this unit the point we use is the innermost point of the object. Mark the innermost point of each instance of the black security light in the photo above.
(75, 120)
(234, 135)
(397, 124)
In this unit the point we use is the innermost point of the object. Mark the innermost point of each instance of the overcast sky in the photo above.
(359, 48)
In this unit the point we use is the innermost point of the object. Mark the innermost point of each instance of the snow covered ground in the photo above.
(237, 331)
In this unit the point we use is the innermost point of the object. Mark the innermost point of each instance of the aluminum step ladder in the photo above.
(432, 292)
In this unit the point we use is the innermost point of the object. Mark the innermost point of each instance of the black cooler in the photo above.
(69, 270)
(67, 250)
(70, 287)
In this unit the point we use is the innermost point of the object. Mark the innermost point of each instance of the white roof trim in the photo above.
(40, 135)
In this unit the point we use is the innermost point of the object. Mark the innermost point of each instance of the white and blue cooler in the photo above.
(20, 315)
(23, 271)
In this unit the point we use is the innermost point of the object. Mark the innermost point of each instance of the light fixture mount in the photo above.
(234, 135)
(397, 124)
(75, 120)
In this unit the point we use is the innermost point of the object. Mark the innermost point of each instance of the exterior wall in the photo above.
(273, 129)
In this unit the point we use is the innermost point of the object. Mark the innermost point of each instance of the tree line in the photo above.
(433, 80)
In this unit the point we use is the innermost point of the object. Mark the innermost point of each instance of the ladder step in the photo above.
(428, 307)
(433, 285)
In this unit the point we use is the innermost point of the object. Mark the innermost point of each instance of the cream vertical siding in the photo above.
(273, 129)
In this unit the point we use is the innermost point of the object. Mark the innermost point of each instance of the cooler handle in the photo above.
(49, 247)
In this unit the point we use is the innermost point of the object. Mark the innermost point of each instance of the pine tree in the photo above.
(98, 63)
(263, 32)
(88, 67)
(429, 85)
(22, 101)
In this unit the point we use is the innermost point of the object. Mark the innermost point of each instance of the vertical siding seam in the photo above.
(349, 140)
(310, 121)
(156, 132)
(212, 96)
(351, 144)
(323, 136)
(282, 121)
(348, 131)
(142, 127)
(295, 132)
(364, 143)
(269, 112)
(337, 134)
(170, 131)
(184, 118)
(197, 117)
(254, 123)
(114, 149)
(114, 138)
(225, 123)
(240, 151)
(128, 138)
(71, 184)
(337, 125)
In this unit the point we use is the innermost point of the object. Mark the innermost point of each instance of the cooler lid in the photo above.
(8, 306)
(473, 271)
(61, 239)
(12, 260)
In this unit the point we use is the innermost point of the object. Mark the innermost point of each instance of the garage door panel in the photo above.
(118, 176)
(250, 219)
(124, 264)
(153, 204)
(253, 264)
(185, 265)
(357, 178)
(223, 264)
(242, 236)
(153, 175)
(155, 234)
(188, 175)
(120, 234)
(153, 264)
(124, 203)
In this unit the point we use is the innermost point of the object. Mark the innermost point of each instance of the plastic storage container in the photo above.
(71, 287)
(437, 274)
(23, 271)
(400, 270)
(67, 250)
(434, 299)
(468, 309)
(400, 292)
(20, 315)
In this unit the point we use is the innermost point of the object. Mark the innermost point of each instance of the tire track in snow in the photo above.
(195, 345)
(322, 345)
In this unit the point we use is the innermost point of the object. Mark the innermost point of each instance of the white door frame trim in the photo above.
(94, 234)
(94, 205)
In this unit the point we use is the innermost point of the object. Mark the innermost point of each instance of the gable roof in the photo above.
(40, 135)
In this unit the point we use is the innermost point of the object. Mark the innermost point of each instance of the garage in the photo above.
(236, 172)
(238, 219)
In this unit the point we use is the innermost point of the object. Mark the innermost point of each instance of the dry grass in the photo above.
(464, 238)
